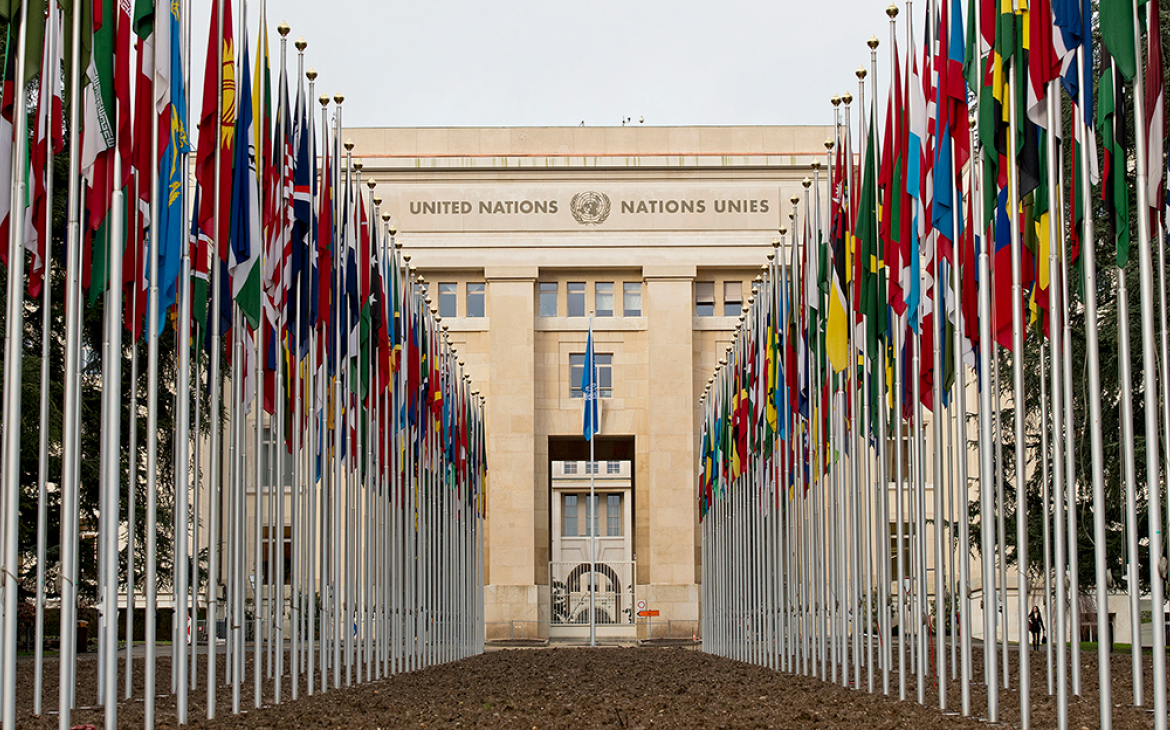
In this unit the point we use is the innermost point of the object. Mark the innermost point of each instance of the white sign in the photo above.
(588, 206)
(641, 605)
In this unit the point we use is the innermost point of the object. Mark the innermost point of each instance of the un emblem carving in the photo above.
(590, 208)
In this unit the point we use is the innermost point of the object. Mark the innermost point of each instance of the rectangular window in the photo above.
(570, 467)
(271, 549)
(447, 300)
(613, 467)
(270, 465)
(892, 459)
(613, 515)
(548, 299)
(704, 299)
(632, 295)
(906, 566)
(604, 299)
(570, 529)
(475, 291)
(576, 303)
(732, 298)
(591, 467)
(604, 363)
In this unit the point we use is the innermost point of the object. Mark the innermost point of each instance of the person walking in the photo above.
(1035, 626)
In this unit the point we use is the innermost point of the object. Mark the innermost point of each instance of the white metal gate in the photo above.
(613, 600)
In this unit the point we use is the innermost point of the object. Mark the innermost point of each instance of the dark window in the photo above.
(475, 291)
(447, 300)
(704, 299)
(732, 298)
(548, 299)
(633, 298)
(604, 299)
(576, 303)
(613, 515)
(604, 374)
(284, 554)
(570, 516)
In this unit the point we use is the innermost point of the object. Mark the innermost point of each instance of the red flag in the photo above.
(219, 57)
(49, 137)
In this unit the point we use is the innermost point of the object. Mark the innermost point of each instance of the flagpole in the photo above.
(70, 436)
(870, 472)
(12, 387)
(214, 417)
(182, 466)
(1150, 387)
(151, 429)
(1088, 251)
(43, 445)
(885, 629)
(964, 612)
(936, 421)
(1058, 394)
(1056, 328)
(591, 510)
(299, 477)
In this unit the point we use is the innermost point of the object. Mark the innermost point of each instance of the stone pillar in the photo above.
(512, 605)
(669, 307)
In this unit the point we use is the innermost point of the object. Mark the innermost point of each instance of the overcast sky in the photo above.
(551, 63)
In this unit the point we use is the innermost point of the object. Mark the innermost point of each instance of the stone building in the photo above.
(521, 235)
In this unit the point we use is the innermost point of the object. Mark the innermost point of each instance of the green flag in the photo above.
(1117, 33)
(1111, 121)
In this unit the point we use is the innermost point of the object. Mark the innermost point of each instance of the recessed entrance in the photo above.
(602, 527)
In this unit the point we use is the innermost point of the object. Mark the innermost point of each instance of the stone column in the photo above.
(669, 307)
(511, 595)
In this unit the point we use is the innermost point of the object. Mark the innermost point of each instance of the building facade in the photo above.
(525, 236)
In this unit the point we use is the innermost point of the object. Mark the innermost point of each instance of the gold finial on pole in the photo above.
(348, 143)
(324, 100)
(283, 28)
(873, 43)
(301, 44)
(807, 183)
(860, 73)
(829, 144)
(836, 100)
(847, 98)
(338, 98)
(892, 11)
(311, 74)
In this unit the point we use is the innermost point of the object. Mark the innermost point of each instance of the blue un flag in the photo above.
(589, 389)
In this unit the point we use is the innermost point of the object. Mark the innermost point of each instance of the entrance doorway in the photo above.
(603, 525)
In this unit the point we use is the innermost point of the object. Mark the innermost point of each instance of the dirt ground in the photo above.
(593, 688)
